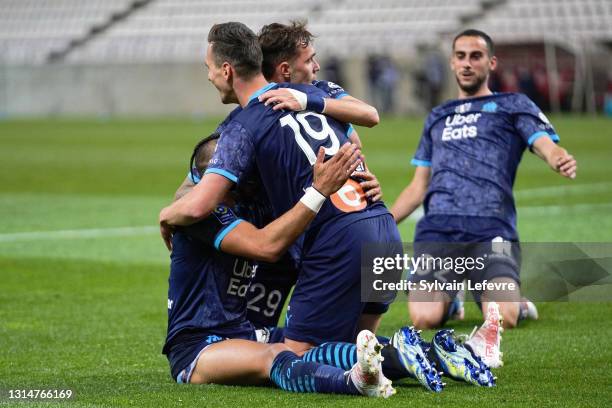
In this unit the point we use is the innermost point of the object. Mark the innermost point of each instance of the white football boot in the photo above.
(367, 374)
(485, 342)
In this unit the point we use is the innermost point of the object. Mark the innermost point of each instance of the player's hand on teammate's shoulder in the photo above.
(285, 98)
(370, 185)
(330, 175)
(567, 166)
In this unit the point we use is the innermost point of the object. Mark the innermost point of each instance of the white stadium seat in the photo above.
(175, 30)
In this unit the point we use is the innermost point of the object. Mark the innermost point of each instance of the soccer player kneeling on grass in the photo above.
(280, 147)
(407, 355)
(289, 57)
(209, 338)
(466, 163)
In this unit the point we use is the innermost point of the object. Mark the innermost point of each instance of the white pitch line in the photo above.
(547, 192)
(417, 214)
(564, 189)
(538, 210)
(146, 230)
(561, 209)
(78, 233)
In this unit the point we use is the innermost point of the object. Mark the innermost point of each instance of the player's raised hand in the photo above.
(370, 185)
(567, 166)
(329, 176)
(285, 98)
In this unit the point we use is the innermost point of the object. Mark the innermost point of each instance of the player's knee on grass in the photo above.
(427, 315)
(428, 309)
(425, 321)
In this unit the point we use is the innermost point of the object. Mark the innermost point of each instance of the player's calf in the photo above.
(291, 373)
(508, 301)
(510, 312)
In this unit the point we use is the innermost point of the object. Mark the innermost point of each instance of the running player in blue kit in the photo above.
(466, 163)
(280, 147)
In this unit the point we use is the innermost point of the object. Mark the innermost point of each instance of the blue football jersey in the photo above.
(474, 147)
(207, 288)
(282, 146)
(228, 119)
(332, 89)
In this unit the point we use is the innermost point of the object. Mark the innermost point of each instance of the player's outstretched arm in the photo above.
(557, 157)
(348, 109)
(412, 196)
(193, 206)
(352, 110)
(269, 243)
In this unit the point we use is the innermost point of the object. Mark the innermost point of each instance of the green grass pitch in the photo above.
(83, 272)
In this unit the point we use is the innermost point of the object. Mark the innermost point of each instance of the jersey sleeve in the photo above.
(334, 90)
(194, 176)
(228, 120)
(422, 157)
(214, 228)
(234, 155)
(349, 129)
(531, 123)
(313, 89)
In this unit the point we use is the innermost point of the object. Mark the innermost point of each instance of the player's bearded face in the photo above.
(471, 64)
(471, 82)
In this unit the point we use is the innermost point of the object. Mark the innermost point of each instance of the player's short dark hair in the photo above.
(237, 44)
(202, 153)
(470, 32)
(281, 42)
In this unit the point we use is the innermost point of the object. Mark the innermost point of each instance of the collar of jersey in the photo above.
(476, 98)
(261, 91)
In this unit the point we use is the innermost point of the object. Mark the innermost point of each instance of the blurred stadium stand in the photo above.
(30, 30)
(52, 34)
(175, 30)
(552, 20)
